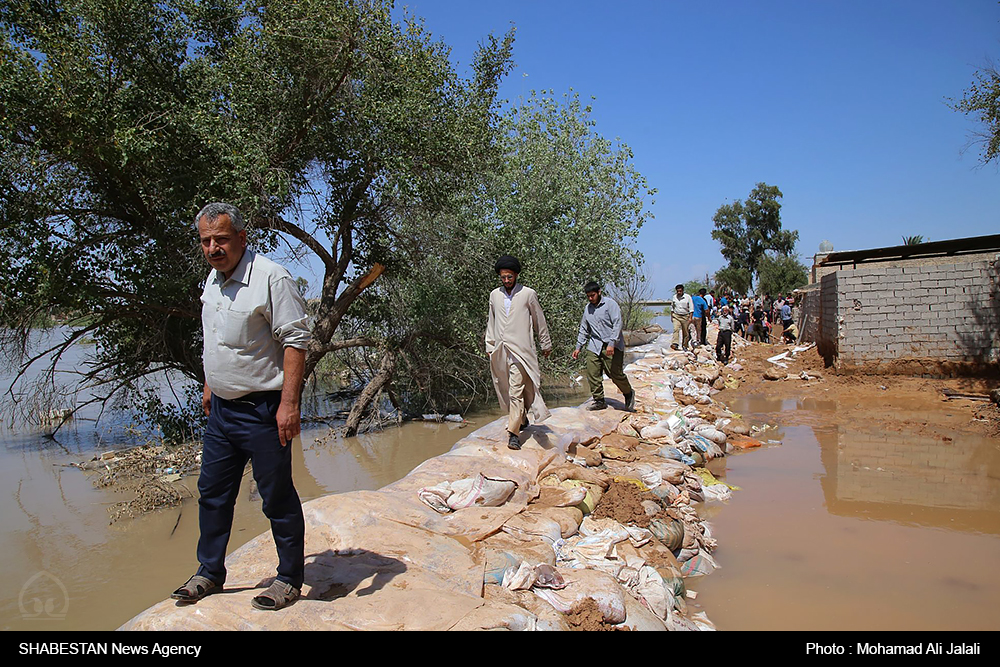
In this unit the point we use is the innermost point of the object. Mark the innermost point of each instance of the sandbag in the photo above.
(675, 454)
(744, 442)
(567, 472)
(568, 518)
(497, 563)
(584, 584)
(670, 532)
(628, 443)
(559, 496)
(530, 526)
(593, 497)
(699, 565)
(590, 457)
(657, 430)
(479, 491)
(520, 579)
(710, 432)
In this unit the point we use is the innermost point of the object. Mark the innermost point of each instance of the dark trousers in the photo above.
(704, 329)
(725, 341)
(599, 365)
(238, 431)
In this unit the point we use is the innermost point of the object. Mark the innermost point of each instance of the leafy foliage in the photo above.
(565, 201)
(325, 122)
(982, 102)
(781, 273)
(746, 230)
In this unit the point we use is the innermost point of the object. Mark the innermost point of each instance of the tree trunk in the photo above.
(374, 387)
(332, 311)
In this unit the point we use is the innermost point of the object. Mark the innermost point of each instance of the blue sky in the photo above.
(842, 105)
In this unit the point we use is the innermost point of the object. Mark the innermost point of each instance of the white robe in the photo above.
(514, 334)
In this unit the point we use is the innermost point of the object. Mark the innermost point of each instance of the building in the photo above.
(926, 309)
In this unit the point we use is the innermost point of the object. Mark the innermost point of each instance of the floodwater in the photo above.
(67, 568)
(850, 528)
(59, 550)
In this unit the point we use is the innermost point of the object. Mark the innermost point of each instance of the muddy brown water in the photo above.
(67, 568)
(850, 527)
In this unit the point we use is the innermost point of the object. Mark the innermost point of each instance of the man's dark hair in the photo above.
(591, 287)
(702, 291)
(678, 287)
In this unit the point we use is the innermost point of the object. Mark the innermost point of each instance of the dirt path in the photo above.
(893, 403)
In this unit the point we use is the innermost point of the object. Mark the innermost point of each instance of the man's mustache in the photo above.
(217, 254)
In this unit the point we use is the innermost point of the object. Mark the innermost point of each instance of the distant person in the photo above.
(515, 316)
(743, 320)
(699, 316)
(255, 336)
(790, 332)
(758, 330)
(786, 315)
(601, 338)
(724, 344)
(710, 300)
(680, 316)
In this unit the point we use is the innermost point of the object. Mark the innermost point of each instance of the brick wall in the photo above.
(946, 310)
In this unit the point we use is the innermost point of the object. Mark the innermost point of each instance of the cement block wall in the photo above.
(875, 314)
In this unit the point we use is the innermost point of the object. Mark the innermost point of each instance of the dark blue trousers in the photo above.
(238, 431)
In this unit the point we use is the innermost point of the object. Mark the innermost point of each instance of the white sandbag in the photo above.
(657, 430)
(650, 476)
(583, 584)
(528, 527)
(710, 432)
(719, 492)
(480, 491)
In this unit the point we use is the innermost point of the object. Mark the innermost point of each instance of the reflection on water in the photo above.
(852, 528)
(913, 478)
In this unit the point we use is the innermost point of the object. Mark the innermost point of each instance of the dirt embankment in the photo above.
(940, 407)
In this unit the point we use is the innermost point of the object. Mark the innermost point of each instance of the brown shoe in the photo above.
(195, 589)
(277, 596)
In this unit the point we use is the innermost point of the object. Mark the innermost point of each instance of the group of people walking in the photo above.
(515, 318)
(750, 317)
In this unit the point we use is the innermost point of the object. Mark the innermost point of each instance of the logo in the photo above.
(43, 598)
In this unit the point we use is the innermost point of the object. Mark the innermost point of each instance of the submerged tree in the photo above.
(747, 230)
(326, 122)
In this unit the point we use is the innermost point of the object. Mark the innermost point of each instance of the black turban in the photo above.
(508, 262)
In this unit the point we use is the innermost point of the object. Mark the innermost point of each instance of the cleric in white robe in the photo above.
(515, 319)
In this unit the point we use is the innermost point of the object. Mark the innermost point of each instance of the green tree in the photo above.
(734, 278)
(781, 273)
(982, 102)
(326, 122)
(747, 230)
(564, 200)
